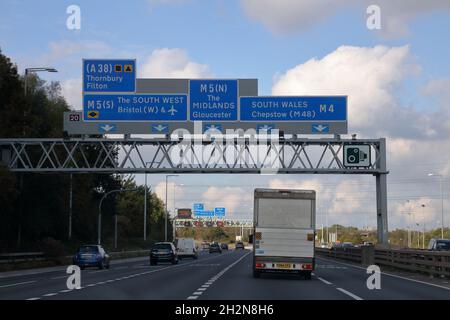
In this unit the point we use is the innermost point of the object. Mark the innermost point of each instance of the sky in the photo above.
(397, 79)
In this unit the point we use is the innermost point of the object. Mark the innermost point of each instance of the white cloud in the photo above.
(174, 192)
(418, 142)
(62, 50)
(172, 63)
(291, 16)
(237, 201)
(71, 91)
(370, 77)
(440, 88)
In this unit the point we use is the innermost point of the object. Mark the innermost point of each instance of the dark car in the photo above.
(215, 247)
(240, 245)
(439, 245)
(163, 252)
(224, 246)
(91, 256)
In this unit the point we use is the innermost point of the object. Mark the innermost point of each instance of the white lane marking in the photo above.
(205, 286)
(394, 275)
(354, 296)
(32, 299)
(192, 297)
(50, 294)
(201, 289)
(16, 284)
(217, 276)
(130, 276)
(64, 291)
(324, 281)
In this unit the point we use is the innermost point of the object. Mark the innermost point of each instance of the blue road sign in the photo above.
(107, 128)
(135, 107)
(219, 212)
(265, 127)
(212, 127)
(160, 128)
(199, 206)
(109, 75)
(204, 213)
(290, 108)
(213, 100)
(320, 128)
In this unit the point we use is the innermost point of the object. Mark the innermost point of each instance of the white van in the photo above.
(186, 248)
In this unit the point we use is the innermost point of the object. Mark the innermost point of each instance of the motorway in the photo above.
(211, 277)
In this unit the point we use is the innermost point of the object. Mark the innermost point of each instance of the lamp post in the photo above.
(423, 225)
(165, 221)
(25, 80)
(441, 181)
(145, 204)
(29, 70)
(99, 230)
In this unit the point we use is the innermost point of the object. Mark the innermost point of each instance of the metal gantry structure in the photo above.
(236, 155)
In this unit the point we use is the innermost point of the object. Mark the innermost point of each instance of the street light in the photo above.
(145, 204)
(423, 222)
(99, 231)
(441, 178)
(174, 230)
(29, 70)
(165, 222)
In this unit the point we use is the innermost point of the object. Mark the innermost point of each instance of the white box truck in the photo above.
(284, 231)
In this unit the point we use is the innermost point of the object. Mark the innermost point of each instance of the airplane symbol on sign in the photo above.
(173, 111)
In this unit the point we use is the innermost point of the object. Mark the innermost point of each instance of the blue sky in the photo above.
(234, 39)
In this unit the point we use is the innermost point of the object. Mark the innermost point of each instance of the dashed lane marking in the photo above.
(205, 286)
(117, 279)
(354, 296)
(16, 284)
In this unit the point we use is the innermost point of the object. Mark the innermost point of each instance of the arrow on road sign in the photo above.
(107, 127)
(265, 127)
(160, 128)
(212, 127)
(320, 128)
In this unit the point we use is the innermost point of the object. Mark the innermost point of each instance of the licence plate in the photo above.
(284, 265)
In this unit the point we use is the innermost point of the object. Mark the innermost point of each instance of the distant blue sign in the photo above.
(320, 128)
(290, 108)
(199, 206)
(135, 107)
(204, 213)
(109, 75)
(213, 100)
(219, 212)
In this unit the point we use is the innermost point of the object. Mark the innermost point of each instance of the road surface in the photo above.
(213, 276)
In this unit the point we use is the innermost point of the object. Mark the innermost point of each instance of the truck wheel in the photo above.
(308, 275)
(256, 274)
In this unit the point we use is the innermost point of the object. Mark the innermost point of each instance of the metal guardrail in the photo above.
(40, 256)
(21, 256)
(434, 263)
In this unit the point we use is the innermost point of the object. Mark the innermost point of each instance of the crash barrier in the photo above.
(433, 263)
